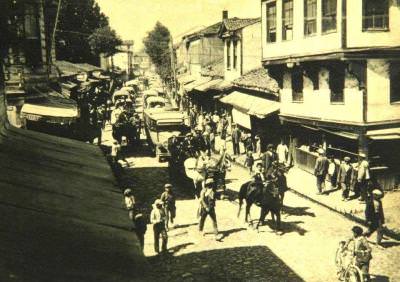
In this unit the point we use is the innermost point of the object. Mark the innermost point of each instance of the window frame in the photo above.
(269, 21)
(337, 75)
(331, 14)
(394, 76)
(310, 20)
(297, 96)
(235, 55)
(384, 16)
(228, 54)
(287, 22)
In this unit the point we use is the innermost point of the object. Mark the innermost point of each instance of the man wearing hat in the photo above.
(268, 158)
(320, 170)
(375, 216)
(158, 219)
(344, 177)
(140, 228)
(362, 251)
(130, 203)
(207, 206)
(363, 177)
(168, 199)
(236, 136)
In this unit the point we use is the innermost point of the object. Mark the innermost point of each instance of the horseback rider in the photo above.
(268, 158)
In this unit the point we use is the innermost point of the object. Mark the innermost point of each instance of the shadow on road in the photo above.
(379, 278)
(255, 263)
(227, 233)
(298, 211)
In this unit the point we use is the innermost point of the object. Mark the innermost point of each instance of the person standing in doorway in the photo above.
(363, 177)
(282, 151)
(158, 219)
(320, 171)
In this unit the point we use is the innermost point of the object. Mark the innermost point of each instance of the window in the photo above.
(394, 82)
(297, 84)
(271, 22)
(375, 14)
(337, 74)
(287, 20)
(234, 54)
(310, 17)
(329, 10)
(228, 54)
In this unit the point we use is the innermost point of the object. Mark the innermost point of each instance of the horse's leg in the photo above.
(278, 220)
(263, 212)
(248, 205)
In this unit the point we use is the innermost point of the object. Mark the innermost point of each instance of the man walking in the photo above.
(168, 199)
(207, 206)
(236, 135)
(320, 171)
(344, 177)
(375, 216)
(158, 218)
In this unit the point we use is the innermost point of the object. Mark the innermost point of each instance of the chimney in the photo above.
(224, 15)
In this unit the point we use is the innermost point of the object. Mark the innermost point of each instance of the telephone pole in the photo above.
(173, 67)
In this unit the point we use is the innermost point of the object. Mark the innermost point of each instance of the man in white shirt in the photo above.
(158, 219)
(115, 148)
(282, 152)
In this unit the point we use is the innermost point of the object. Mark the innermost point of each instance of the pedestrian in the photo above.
(363, 178)
(236, 136)
(332, 172)
(344, 177)
(249, 162)
(168, 199)
(267, 159)
(375, 216)
(282, 151)
(248, 142)
(140, 228)
(130, 202)
(320, 171)
(258, 146)
(224, 127)
(158, 218)
(361, 250)
(207, 206)
(115, 150)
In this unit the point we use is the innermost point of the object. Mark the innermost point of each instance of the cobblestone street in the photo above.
(305, 251)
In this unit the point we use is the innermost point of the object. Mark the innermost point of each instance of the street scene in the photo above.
(204, 141)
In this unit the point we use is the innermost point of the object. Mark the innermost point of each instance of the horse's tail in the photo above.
(242, 195)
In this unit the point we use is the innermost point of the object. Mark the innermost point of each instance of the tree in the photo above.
(78, 20)
(156, 45)
(104, 40)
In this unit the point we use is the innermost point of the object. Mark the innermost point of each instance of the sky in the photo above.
(132, 19)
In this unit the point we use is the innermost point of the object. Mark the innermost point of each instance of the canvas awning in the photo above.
(52, 109)
(208, 85)
(185, 78)
(252, 105)
(384, 134)
(200, 81)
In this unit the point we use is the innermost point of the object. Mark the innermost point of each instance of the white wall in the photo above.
(357, 38)
(317, 104)
(378, 85)
(300, 45)
(251, 47)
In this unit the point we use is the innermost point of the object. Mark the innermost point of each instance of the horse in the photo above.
(266, 196)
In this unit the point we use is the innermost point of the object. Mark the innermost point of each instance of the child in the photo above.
(249, 162)
(168, 199)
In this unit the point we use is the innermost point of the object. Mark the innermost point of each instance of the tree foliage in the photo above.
(156, 45)
(78, 20)
(104, 40)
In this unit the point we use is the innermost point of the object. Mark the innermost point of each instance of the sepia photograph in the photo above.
(199, 140)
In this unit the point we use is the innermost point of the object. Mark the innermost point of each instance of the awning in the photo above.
(384, 134)
(200, 81)
(209, 85)
(345, 134)
(223, 85)
(185, 78)
(252, 105)
(52, 109)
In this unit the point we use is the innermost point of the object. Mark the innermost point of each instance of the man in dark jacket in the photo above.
(268, 158)
(236, 135)
(344, 177)
(375, 216)
(207, 206)
(320, 170)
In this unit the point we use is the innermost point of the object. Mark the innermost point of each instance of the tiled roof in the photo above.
(214, 69)
(233, 24)
(258, 79)
(210, 30)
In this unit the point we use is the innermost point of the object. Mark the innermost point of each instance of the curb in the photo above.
(387, 232)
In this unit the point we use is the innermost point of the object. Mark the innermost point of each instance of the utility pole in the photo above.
(171, 42)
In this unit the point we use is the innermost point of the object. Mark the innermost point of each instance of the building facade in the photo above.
(337, 64)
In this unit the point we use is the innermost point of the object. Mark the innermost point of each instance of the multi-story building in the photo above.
(28, 64)
(338, 66)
